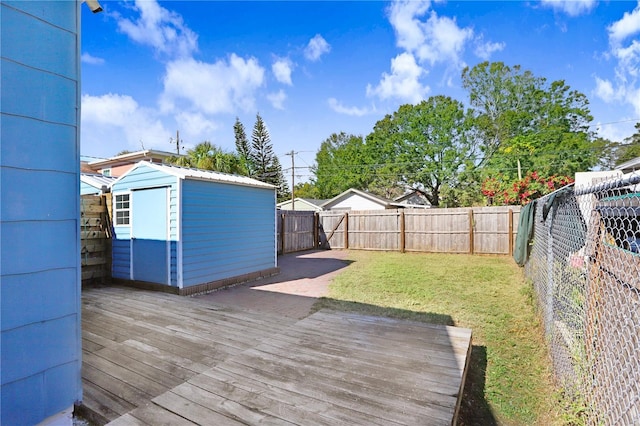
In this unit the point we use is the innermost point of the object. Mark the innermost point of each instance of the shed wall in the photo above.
(39, 242)
(227, 231)
(140, 178)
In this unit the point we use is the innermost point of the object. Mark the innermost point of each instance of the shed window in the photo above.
(122, 209)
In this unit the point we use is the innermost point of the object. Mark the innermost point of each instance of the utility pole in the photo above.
(178, 142)
(293, 177)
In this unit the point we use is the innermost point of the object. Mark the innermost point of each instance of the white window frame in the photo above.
(117, 209)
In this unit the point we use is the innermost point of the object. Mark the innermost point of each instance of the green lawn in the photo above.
(508, 380)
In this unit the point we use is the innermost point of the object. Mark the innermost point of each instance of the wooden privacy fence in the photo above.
(477, 230)
(95, 237)
(297, 231)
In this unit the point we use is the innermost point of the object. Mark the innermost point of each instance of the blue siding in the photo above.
(227, 230)
(139, 178)
(86, 189)
(40, 346)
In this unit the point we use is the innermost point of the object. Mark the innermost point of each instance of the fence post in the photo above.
(316, 226)
(402, 232)
(510, 232)
(282, 231)
(346, 230)
(471, 242)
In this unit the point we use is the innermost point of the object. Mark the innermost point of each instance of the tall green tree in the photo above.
(242, 147)
(526, 123)
(427, 146)
(341, 163)
(266, 166)
(261, 154)
(279, 181)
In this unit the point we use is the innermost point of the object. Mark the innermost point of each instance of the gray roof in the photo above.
(96, 180)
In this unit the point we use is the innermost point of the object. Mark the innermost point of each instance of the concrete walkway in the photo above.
(303, 278)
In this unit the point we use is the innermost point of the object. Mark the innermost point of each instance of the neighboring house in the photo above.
(94, 184)
(188, 230)
(40, 360)
(302, 204)
(120, 164)
(632, 165)
(412, 199)
(354, 199)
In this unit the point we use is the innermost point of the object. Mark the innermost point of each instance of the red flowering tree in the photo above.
(500, 191)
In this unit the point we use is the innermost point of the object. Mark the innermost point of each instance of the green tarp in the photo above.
(525, 231)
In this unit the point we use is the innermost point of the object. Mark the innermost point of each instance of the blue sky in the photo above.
(310, 69)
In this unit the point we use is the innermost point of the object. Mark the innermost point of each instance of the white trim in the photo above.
(197, 174)
(62, 418)
(275, 230)
(115, 210)
(168, 208)
(179, 276)
(131, 236)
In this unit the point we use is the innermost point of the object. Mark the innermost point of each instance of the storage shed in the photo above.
(94, 184)
(187, 230)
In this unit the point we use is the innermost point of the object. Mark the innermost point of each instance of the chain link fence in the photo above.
(584, 262)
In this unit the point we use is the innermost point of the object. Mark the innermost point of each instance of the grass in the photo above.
(508, 380)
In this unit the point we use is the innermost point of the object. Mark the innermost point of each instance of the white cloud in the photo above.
(571, 7)
(277, 99)
(436, 39)
(484, 50)
(91, 60)
(338, 107)
(625, 86)
(625, 27)
(195, 127)
(604, 90)
(159, 28)
(211, 88)
(317, 47)
(111, 119)
(281, 69)
(404, 81)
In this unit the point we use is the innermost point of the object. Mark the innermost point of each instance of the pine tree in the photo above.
(261, 154)
(279, 181)
(243, 148)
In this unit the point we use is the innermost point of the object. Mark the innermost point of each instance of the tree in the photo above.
(306, 190)
(261, 153)
(242, 147)
(630, 149)
(341, 163)
(207, 156)
(426, 146)
(526, 123)
(266, 166)
(282, 187)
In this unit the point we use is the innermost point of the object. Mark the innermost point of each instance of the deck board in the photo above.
(154, 358)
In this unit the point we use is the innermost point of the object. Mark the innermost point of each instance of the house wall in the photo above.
(356, 202)
(227, 231)
(144, 177)
(86, 189)
(40, 342)
(299, 206)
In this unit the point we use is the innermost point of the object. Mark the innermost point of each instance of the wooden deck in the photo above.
(158, 359)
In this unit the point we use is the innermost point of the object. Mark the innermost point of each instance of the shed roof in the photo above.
(96, 180)
(198, 174)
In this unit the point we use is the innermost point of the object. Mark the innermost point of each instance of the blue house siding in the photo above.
(140, 178)
(40, 346)
(227, 231)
